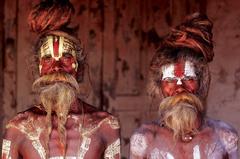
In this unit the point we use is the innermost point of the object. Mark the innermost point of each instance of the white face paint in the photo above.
(196, 152)
(56, 46)
(178, 72)
(138, 144)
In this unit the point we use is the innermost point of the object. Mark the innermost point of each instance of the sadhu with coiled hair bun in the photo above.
(50, 20)
(50, 15)
(190, 40)
(180, 76)
(195, 33)
(61, 125)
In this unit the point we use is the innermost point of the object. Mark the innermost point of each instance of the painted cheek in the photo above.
(167, 88)
(46, 66)
(192, 86)
(69, 64)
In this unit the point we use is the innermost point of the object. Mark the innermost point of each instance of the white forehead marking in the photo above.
(138, 144)
(189, 69)
(60, 48)
(196, 152)
(168, 71)
(47, 47)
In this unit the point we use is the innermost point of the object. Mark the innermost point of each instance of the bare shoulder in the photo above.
(102, 118)
(26, 122)
(227, 134)
(142, 138)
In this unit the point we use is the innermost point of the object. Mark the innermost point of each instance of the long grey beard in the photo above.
(57, 96)
(180, 113)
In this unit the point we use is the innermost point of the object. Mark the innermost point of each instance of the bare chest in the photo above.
(82, 142)
(205, 146)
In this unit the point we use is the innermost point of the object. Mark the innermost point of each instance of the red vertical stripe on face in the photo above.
(56, 46)
(179, 69)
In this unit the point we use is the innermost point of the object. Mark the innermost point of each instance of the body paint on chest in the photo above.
(138, 144)
(196, 152)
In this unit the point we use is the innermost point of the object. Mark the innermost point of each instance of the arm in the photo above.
(229, 138)
(11, 144)
(231, 142)
(138, 146)
(111, 135)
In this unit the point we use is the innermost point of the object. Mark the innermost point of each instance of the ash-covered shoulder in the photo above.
(148, 128)
(27, 120)
(142, 137)
(102, 118)
(24, 116)
(227, 134)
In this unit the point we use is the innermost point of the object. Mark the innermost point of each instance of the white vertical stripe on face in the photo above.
(50, 44)
(196, 152)
(189, 70)
(168, 71)
(47, 47)
(60, 48)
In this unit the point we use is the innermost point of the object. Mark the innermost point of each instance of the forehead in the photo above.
(56, 46)
(178, 69)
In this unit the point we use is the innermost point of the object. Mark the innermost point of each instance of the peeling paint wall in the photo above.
(120, 38)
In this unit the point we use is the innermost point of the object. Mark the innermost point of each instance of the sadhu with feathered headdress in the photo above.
(179, 74)
(62, 125)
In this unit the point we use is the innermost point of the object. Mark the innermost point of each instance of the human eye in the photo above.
(67, 55)
(190, 78)
(47, 57)
(170, 79)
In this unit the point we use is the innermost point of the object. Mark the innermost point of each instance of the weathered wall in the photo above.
(224, 95)
(120, 38)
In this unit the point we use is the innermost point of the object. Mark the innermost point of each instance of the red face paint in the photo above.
(56, 46)
(179, 77)
(57, 55)
(179, 69)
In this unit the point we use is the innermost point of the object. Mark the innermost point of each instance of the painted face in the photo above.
(179, 77)
(57, 54)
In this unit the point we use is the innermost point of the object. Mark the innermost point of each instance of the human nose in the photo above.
(57, 66)
(179, 81)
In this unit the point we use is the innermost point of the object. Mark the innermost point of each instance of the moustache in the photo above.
(46, 81)
(189, 100)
